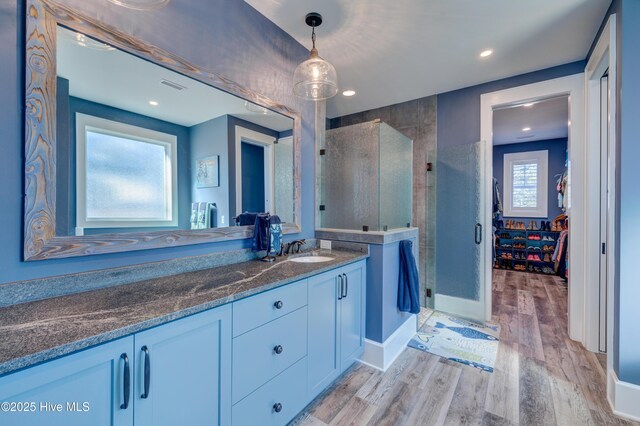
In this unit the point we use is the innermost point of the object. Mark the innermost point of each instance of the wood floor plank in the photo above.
(341, 392)
(503, 389)
(397, 406)
(381, 383)
(525, 303)
(570, 405)
(355, 413)
(434, 403)
(417, 376)
(467, 405)
(530, 341)
(490, 419)
(536, 405)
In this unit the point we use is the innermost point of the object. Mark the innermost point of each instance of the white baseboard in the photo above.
(623, 397)
(381, 355)
(469, 309)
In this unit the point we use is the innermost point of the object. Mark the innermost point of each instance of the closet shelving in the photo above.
(525, 250)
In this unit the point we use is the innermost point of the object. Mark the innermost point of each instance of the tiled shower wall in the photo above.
(417, 120)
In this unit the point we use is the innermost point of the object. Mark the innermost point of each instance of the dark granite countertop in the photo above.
(39, 331)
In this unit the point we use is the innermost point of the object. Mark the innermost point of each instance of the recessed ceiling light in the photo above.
(526, 129)
(348, 93)
(486, 53)
(153, 103)
(530, 104)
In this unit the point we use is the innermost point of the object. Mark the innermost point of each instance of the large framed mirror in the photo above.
(129, 147)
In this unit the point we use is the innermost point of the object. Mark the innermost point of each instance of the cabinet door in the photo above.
(323, 360)
(85, 388)
(188, 363)
(352, 305)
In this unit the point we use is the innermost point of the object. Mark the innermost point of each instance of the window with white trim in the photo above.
(126, 176)
(526, 184)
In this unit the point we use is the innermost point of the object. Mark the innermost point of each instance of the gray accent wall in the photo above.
(417, 120)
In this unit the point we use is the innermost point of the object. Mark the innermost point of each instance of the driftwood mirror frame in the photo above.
(40, 239)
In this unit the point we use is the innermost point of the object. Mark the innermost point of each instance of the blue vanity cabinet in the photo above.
(324, 363)
(85, 388)
(352, 314)
(187, 365)
(336, 323)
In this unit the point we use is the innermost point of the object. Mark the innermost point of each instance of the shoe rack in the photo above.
(525, 250)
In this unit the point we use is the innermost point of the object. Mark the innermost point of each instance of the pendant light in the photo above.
(315, 79)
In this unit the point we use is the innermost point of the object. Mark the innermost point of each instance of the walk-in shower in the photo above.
(365, 177)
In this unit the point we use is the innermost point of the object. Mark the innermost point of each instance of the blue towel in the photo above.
(261, 233)
(275, 231)
(408, 283)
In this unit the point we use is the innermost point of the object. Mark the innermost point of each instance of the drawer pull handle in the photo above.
(277, 407)
(346, 286)
(278, 304)
(278, 349)
(126, 382)
(147, 372)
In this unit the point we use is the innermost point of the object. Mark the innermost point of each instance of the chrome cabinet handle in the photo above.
(147, 372)
(126, 381)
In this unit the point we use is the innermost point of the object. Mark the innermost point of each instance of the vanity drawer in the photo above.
(260, 309)
(287, 389)
(255, 354)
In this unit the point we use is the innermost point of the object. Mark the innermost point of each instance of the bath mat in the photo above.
(459, 340)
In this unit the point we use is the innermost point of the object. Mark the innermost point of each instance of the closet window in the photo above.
(126, 175)
(526, 184)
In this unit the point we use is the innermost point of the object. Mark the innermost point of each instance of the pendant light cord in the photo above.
(313, 35)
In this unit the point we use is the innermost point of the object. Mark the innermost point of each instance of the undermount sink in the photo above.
(311, 259)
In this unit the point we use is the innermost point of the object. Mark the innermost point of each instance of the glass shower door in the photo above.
(460, 218)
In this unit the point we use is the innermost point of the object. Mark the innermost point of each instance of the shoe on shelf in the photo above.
(547, 258)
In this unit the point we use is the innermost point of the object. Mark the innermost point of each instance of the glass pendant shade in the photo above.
(315, 79)
(141, 4)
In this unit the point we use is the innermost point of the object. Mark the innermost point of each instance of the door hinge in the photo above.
(428, 292)
(604, 248)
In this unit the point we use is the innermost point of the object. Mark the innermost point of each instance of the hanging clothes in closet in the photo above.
(561, 253)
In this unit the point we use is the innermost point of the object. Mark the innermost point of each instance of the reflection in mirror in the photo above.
(141, 148)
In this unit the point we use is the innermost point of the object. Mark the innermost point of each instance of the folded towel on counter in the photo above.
(408, 282)
(261, 232)
(275, 229)
(246, 219)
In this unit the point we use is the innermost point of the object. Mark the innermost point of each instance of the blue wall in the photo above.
(557, 157)
(627, 341)
(459, 124)
(227, 37)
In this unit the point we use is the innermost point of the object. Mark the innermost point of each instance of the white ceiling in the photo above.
(547, 119)
(121, 80)
(391, 52)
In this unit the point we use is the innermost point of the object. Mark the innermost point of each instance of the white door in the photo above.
(604, 208)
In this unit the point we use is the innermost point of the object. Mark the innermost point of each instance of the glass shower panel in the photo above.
(350, 168)
(460, 211)
(396, 178)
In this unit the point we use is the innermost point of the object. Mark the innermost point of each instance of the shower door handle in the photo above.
(478, 233)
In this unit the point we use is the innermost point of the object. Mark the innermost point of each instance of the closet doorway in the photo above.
(531, 225)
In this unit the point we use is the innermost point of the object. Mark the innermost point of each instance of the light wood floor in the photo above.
(541, 377)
